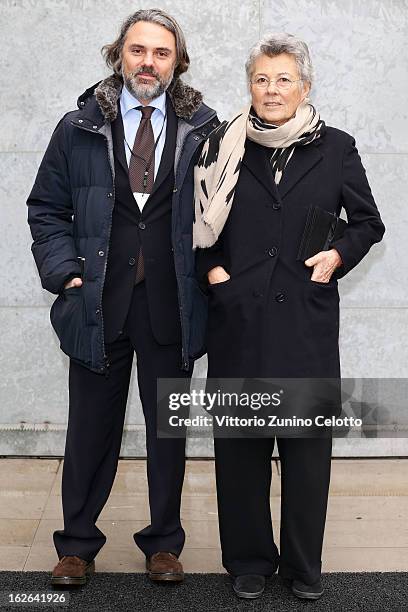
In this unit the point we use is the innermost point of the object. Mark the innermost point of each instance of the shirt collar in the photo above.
(128, 101)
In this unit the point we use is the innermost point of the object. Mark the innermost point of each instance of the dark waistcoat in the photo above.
(150, 229)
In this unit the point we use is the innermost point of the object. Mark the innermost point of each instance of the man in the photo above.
(111, 213)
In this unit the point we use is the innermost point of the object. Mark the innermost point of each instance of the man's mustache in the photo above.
(146, 70)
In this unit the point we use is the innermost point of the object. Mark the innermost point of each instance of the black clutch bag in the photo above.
(322, 228)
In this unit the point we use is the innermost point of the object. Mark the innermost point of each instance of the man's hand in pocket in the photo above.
(74, 282)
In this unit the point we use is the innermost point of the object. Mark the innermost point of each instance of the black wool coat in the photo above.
(270, 319)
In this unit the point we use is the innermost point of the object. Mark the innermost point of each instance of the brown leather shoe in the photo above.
(72, 571)
(164, 566)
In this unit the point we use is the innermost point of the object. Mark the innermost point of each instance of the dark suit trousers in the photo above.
(243, 471)
(97, 406)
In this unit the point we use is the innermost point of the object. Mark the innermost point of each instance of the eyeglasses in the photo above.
(283, 83)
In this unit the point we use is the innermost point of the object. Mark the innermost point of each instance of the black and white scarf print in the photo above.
(280, 156)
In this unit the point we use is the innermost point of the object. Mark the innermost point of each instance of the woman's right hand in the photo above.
(217, 275)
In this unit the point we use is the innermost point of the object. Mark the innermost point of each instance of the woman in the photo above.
(270, 313)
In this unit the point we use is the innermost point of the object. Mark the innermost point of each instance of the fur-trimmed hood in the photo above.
(186, 100)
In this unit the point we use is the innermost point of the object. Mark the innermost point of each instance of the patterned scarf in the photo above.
(217, 171)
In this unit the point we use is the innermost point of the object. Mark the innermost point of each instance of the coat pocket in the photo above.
(218, 290)
(329, 285)
(68, 318)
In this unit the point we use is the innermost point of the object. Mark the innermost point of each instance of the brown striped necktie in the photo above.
(141, 168)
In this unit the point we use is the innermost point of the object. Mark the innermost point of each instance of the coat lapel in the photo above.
(257, 162)
(167, 158)
(302, 161)
(118, 136)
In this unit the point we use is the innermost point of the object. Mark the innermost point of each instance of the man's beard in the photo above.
(146, 91)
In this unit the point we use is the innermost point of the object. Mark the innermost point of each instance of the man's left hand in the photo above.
(324, 264)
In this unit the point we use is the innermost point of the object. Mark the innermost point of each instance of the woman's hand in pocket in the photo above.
(324, 264)
(217, 275)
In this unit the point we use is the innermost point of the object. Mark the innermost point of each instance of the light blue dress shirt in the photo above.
(131, 119)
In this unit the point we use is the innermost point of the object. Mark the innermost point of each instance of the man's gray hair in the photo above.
(281, 42)
(113, 52)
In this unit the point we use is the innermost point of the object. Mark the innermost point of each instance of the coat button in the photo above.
(196, 137)
(132, 261)
(272, 252)
(280, 297)
(97, 311)
(80, 120)
(101, 253)
(142, 226)
(175, 190)
(276, 206)
(110, 195)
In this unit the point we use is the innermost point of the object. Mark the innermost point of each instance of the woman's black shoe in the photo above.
(307, 591)
(249, 586)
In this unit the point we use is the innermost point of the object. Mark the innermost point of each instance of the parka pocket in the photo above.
(68, 319)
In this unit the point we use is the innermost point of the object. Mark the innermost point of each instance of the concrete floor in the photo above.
(366, 529)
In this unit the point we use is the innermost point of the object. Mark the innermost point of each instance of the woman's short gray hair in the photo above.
(113, 52)
(274, 44)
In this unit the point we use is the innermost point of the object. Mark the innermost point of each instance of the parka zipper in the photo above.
(107, 364)
(105, 358)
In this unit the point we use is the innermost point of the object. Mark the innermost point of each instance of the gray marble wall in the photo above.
(50, 54)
